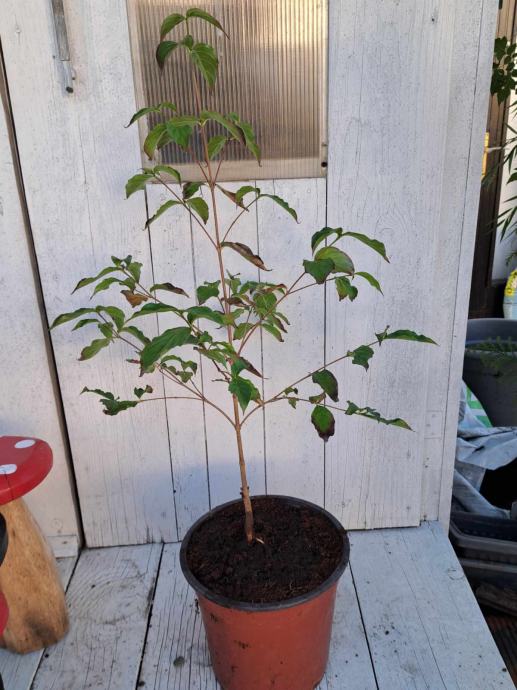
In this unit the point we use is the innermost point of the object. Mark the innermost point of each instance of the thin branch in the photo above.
(247, 208)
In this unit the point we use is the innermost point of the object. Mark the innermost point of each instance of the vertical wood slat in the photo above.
(387, 150)
(294, 452)
(30, 402)
(76, 157)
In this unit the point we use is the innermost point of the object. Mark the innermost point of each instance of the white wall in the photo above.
(28, 405)
(408, 91)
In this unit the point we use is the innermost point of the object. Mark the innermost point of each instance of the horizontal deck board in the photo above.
(405, 619)
(423, 623)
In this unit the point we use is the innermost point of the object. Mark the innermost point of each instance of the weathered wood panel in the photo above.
(18, 670)
(294, 452)
(29, 404)
(176, 654)
(75, 156)
(110, 598)
(424, 626)
(390, 119)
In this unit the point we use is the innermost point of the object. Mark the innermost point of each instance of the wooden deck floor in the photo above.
(405, 618)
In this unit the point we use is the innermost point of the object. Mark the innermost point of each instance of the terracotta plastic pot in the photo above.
(274, 646)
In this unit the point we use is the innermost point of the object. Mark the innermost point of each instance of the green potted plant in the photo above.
(265, 568)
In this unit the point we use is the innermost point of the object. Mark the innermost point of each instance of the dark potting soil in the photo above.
(301, 550)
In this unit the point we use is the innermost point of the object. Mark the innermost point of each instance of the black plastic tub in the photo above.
(496, 392)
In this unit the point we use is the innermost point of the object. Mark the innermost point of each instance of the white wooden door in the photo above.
(408, 90)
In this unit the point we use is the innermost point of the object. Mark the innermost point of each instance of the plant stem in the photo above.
(248, 508)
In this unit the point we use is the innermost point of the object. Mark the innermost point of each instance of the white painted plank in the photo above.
(74, 178)
(18, 670)
(31, 408)
(109, 598)
(223, 463)
(470, 208)
(294, 452)
(176, 655)
(171, 245)
(387, 139)
(424, 627)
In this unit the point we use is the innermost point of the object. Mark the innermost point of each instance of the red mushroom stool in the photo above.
(29, 578)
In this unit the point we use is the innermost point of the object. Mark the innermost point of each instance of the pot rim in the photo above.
(227, 602)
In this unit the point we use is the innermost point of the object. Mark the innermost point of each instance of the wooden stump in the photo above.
(30, 581)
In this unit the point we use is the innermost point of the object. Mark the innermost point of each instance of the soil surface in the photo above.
(301, 549)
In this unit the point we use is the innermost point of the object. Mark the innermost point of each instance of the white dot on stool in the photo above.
(8, 469)
(26, 443)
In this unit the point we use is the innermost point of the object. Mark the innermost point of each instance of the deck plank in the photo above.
(176, 656)
(423, 624)
(109, 597)
(18, 670)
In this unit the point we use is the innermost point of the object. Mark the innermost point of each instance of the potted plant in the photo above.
(265, 568)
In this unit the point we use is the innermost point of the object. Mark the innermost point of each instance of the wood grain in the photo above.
(75, 164)
(423, 624)
(109, 598)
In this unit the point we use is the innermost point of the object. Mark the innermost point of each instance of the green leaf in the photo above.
(342, 263)
(194, 313)
(317, 399)
(93, 348)
(84, 322)
(370, 279)
(408, 335)
(201, 14)
(361, 355)
(242, 364)
(161, 210)
(190, 188)
(150, 109)
(246, 253)
(141, 391)
(225, 122)
(232, 196)
(319, 270)
(70, 316)
(205, 59)
(167, 169)
(88, 281)
(180, 129)
(104, 285)
(137, 333)
(116, 314)
(250, 141)
(169, 23)
(272, 330)
(135, 268)
(373, 244)
(163, 51)
(370, 413)
(246, 189)
(168, 287)
(241, 330)
(328, 382)
(172, 337)
(323, 421)
(321, 235)
(244, 390)
(151, 143)
(345, 289)
(208, 290)
(135, 183)
(154, 308)
(200, 206)
(281, 203)
(216, 145)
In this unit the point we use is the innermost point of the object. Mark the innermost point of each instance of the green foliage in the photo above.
(504, 70)
(324, 422)
(225, 313)
(328, 383)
